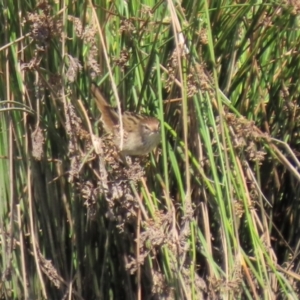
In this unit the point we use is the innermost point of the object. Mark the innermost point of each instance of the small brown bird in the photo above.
(141, 134)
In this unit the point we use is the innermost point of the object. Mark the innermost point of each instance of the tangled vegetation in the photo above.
(212, 213)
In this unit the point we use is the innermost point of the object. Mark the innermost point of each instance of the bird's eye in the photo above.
(146, 127)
